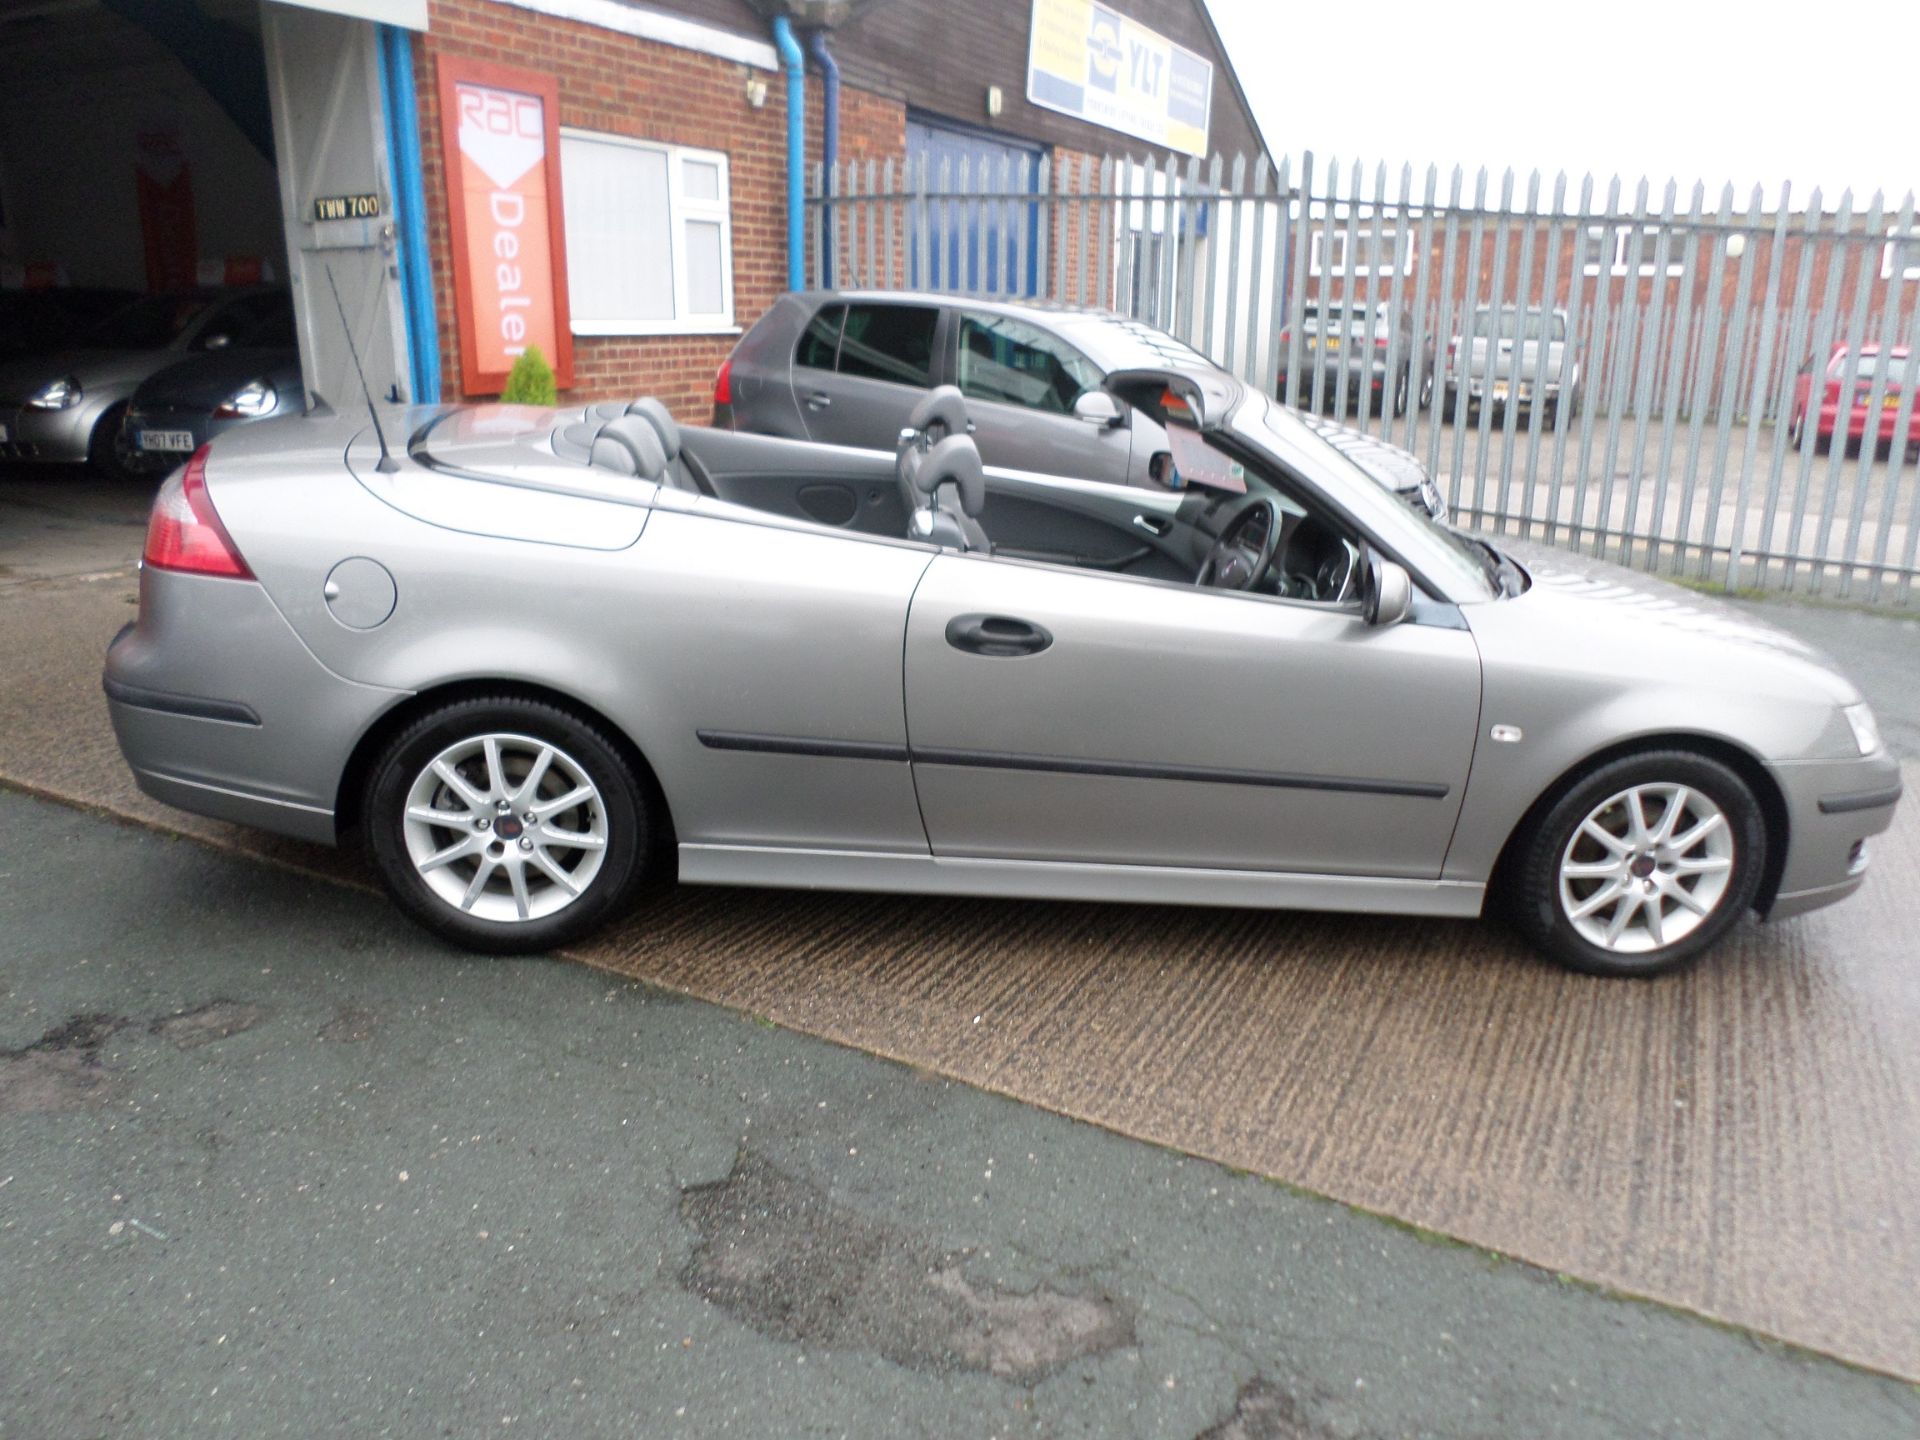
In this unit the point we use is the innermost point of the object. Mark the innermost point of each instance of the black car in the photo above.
(177, 410)
(1371, 346)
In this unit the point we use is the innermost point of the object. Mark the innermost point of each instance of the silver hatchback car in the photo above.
(519, 651)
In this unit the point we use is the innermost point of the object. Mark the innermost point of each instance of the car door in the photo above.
(1067, 715)
(860, 368)
(1020, 383)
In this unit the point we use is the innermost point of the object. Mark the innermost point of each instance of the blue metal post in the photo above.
(829, 142)
(796, 68)
(410, 213)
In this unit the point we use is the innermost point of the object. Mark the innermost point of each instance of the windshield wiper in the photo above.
(1495, 564)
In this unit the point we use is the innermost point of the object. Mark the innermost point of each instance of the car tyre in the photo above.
(109, 449)
(1612, 879)
(565, 853)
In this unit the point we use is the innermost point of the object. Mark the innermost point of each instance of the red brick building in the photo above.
(700, 83)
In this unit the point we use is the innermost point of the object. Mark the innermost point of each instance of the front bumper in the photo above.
(147, 426)
(48, 437)
(221, 710)
(1506, 392)
(1834, 809)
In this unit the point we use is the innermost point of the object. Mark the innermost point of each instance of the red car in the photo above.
(1864, 375)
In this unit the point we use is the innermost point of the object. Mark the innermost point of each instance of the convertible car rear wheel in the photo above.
(506, 825)
(1641, 865)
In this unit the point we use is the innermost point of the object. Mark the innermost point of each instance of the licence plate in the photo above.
(6, 434)
(1499, 389)
(177, 441)
(1891, 402)
(1332, 342)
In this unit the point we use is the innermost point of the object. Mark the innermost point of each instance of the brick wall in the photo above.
(624, 86)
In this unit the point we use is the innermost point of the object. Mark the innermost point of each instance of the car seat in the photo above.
(942, 482)
(682, 472)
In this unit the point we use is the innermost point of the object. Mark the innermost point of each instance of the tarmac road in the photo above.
(272, 1163)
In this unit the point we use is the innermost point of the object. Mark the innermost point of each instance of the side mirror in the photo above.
(1097, 407)
(1386, 597)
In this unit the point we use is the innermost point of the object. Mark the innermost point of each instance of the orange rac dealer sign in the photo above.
(500, 134)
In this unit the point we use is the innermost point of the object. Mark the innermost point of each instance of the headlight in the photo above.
(1866, 730)
(56, 395)
(249, 402)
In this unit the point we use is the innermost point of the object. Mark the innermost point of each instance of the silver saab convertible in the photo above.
(530, 650)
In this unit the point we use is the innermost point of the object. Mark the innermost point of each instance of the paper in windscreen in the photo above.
(1200, 464)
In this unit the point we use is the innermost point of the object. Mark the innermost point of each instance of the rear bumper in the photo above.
(1857, 424)
(1834, 809)
(221, 710)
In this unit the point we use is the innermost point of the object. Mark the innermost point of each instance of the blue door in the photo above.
(980, 246)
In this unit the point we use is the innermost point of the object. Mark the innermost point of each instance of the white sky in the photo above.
(1817, 93)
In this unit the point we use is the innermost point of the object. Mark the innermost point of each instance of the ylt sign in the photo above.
(504, 204)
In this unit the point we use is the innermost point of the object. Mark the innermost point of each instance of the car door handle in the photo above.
(819, 400)
(996, 635)
(1152, 524)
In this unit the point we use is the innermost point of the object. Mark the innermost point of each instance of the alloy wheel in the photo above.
(505, 827)
(1646, 868)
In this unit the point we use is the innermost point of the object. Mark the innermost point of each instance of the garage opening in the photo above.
(184, 187)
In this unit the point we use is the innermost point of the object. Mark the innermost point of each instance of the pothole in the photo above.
(61, 1070)
(1263, 1410)
(775, 1253)
(216, 1020)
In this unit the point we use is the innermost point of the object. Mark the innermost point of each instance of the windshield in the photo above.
(146, 324)
(1317, 320)
(1509, 325)
(1870, 363)
(1448, 559)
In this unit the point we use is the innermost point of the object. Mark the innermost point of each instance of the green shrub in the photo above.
(530, 382)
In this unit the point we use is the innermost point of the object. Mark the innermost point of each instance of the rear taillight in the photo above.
(723, 383)
(184, 532)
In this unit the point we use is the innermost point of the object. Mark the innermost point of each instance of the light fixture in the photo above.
(996, 102)
(756, 91)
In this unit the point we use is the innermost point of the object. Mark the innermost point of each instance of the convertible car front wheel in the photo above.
(1641, 865)
(506, 825)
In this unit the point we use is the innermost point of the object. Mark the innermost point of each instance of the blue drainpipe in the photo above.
(410, 214)
(796, 67)
(829, 141)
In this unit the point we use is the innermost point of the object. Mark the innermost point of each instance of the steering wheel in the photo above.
(1241, 557)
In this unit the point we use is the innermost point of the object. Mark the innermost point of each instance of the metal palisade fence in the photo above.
(1683, 382)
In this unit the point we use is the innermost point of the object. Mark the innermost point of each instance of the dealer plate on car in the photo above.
(174, 440)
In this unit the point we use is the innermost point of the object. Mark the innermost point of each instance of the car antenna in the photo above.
(388, 465)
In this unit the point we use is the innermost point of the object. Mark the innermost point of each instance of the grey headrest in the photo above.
(606, 410)
(574, 441)
(661, 418)
(945, 404)
(630, 446)
(956, 461)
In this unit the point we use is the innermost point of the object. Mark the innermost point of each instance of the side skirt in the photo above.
(799, 869)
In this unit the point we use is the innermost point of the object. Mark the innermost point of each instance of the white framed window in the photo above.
(1901, 254)
(1612, 246)
(1371, 253)
(649, 236)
